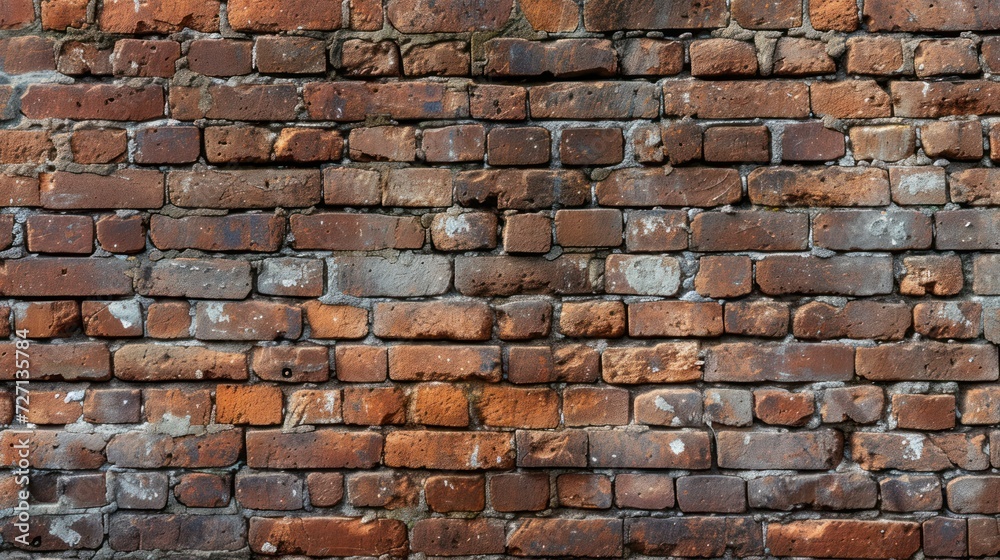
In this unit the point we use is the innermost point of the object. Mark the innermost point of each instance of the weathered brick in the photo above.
(522, 189)
(467, 231)
(853, 99)
(842, 275)
(449, 450)
(856, 319)
(695, 536)
(238, 232)
(642, 275)
(247, 320)
(562, 58)
(355, 232)
(361, 364)
(694, 186)
(454, 144)
(844, 538)
(914, 451)
(156, 362)
(811, 141)
(112, 319)
(948, 319)
(791, 362)
(289, 55)
(458, 537)
(320, 449)
(600, 538)
(354, 101)
(448, 58)
(122, 16)
(883, 143)
(570, 363)
(650, 450)
(498, 102)
(451, 16)
(150, 450)
(953, 140)
(650, 57)
(106, 145)
(291, 276)
(611, 15)
(503, 276)
(442, 320)
(825, 186)
(862, 404)
(674, 318)
(813, 450)
(418, 187)
(735, 100)
(420, 362)
(195, 278)
(591, 146)
(911, 493)
(351, 187)
(762, 318)
(335, 321)
(719, 58)
(519, 492)
(408, 275)
(93, 101)
(942, 99)
(563, 448)
(65, 276)
(286, 15)
(837, 491)
(50, 532)
(129, 188)
(265, 188)
(220, 57)
(593, 406)
(928, 361)
(668, 362)
(341, 536)
(593, 100)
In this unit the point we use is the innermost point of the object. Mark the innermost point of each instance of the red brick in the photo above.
(862, 404)
(426, 362)
(527, 233)
(795, 56)
(324, 536)
(433, 320)
(924, 412)
(883, 143)
(93, 101)
(220, 57)
(513, 492)
(154, 362)
(587, 491)
(237, 144)
(944, 536)
(591, 146)
(650, 450)
(711, 494)
(438, 404)
(518, 146)
(839, 275)
(354, 101)
(355, 232)
(99, 145)
(128, 188)
(753, 14)
(812, 450)
(728, 144)
(919, 452)
(941, 99)
(457, 537)
(148, 450)
(319, 449)
(76, 59)
(203, 490)
(562, 58)
(343, 186)
(113, 406)
(685, 186)
(121, 235)
(195, 278)
(669, 407)
(736, 100)
(750, 231)
(564, 448)
(49, 532)
(783, 408)
(449, 16)
(522, 189)
(663, 363)
(264, 188)
(695, 536)
(851, 99)
(609, 15)
(361, 364)
(953, 140)
(552, 16)
(25, 146)
(49, 233)
(54, 449)
(504, 276)
(54, 407)
(872, 230)
(811, 141)
(595, 406)
(168, 319)
(724, 276)
(162, 405)
(966, 230)
(970, 186)
(17, 14)
(856, 319)
(593, 100)
(791, 362)
(134, 57)
(593, 319)
(833, 15)
(292, 364)
(948, 319)
(644, 491)
(374, 406)
(498, 102)
(589, 228)
(983, 536)
(655, 230)
(600, 538)
(286, 15)
(911, 493)
(408, 275)
(335, 321)
(247, 320)
(874, 55)
(449, 450)
(383, 490)
(674, 319)
(524, 320)
(383, 144)
(946, 57)
(65, 276)
(47, 319)
(821, 491)
(928, 361)
(716, 58)
(20, 55)
(112, 319)
(454, 144)
(844, 538)
(825, 186)
(511, 407)
(468, 231)
(449, 58)
(650, 57)
(288, 55)
(291, 276)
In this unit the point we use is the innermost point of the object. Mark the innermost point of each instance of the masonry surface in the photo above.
(487, 278)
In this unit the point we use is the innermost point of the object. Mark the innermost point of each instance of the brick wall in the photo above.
(610, 278)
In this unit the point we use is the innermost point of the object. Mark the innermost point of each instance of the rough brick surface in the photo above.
(500, 278)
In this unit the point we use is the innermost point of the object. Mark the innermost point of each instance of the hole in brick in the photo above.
(286, 372)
